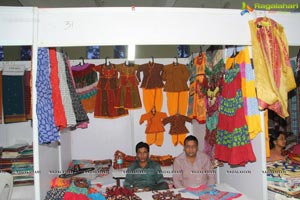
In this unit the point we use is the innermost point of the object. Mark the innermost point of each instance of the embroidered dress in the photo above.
(105, 106)
(48, 132)
(274, 77)
(86, 80)
(128, 95)
(196, 105)
(214, 70)
(232, 140)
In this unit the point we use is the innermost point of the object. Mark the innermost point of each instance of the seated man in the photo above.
(192, 167)
(144, 174)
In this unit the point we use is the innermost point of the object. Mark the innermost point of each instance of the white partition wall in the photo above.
(123, 26)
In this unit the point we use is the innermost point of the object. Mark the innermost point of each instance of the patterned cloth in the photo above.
(210, 193)
(64, 90)
(55, 194)
(233, 142)
(177, 123)
(27, 93)
(128, 95)
(80, 114)
(48, 132)
(274, 77)
(197, 106)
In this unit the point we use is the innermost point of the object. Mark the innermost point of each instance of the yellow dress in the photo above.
(273, 72)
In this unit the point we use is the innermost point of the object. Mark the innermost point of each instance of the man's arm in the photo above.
(177, 174)
(159, 179)
(128, 183)
(211, 178)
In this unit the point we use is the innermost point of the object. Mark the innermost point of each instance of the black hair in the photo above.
(141, 145)
(191, 138)
(274, 134)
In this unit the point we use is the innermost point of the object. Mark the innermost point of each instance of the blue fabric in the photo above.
(96, 196)
(48, 132)
(25, 52)
(93, 52)
(119, 51)
(1, 53)
(183, 51)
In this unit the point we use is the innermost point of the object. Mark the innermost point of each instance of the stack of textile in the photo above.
(284, 178)
(22, 167)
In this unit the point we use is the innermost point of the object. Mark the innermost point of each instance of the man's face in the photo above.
(142, 154)
(190, 148)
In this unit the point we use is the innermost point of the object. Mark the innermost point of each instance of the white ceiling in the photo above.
(232, 4)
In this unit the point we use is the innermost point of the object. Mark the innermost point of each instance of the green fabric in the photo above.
(150, 176)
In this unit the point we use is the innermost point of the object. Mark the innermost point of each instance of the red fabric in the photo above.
(58, 108)
(73, 196)
(236, 121)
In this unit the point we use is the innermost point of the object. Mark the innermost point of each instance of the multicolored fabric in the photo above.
(105, 106)
(214, 70)
(64, 90)
(48, 132)
(197, 105)
(128, 95)
(80, 114)
(205, 192)
(232, 140)
(274, 77)
(86, 80)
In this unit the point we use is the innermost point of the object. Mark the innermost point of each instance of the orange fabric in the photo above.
(89, 104)
(154, 121)
(267, 134)
(58, 108)
(155, 138)
(151, 98)
(177, 102)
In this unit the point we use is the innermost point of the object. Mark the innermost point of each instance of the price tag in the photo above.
(13, 70)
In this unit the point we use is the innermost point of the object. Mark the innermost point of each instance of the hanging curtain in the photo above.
(119, 51)
(183, 51)
(93, 52)
(25, 52)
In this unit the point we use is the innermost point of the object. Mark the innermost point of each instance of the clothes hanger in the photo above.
(176, 61)
(152, 60)
(107, 64)
(82, 61)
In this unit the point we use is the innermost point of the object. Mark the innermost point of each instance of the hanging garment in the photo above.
(178, 129)
(248, 90)
(80, 114)
(48, 132)
(13, 98)
(128, 95)
(196, 103)
(58, 108)
(64, 90)
(105, 106)
(214, 71)
(232, 140)
(154, 127)
(176, 77)
(27, 94)
(1, 97)
(152, 75)
(273, 73)
(86, 80)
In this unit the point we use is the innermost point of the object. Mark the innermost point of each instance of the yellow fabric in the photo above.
(177, 102)
(267, 139)
(152, 97)
(155, 138)
(269, 95)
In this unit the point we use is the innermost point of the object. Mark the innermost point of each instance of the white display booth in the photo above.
(61, 27)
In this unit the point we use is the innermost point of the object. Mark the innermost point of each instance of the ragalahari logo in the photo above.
(269, 6)
(246, 8)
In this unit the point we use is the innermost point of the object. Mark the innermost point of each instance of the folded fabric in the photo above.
(205, 192)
